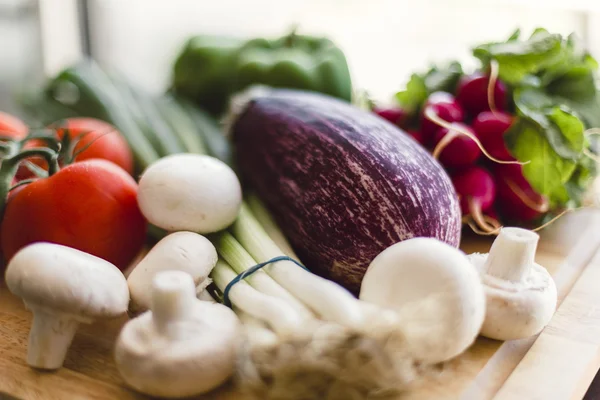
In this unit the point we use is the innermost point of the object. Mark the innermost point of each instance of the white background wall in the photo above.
(384, 40)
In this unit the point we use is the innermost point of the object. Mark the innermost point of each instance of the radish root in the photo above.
(480, 223)
(327, 361)
(444, 143)
(541, 208)
(494, 71)
(431, 115)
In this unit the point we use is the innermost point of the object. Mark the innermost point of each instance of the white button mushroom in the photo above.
(436, 293)
(182, 346)
(63, 287)
(521, 295)
(190, 192)
(183, 251)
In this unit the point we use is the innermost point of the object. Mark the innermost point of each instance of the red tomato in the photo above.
(89, 205)
(108, 144)
(12, 126)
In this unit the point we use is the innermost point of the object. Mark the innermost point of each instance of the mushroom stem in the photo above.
(512, 254)
(49, 339)
(173, 297)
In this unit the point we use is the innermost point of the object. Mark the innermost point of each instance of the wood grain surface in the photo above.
(558, 364)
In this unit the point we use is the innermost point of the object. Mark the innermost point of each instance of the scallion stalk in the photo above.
(329, 300)
(277, 313)
(240, 260)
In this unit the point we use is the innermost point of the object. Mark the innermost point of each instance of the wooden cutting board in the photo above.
(558, 364)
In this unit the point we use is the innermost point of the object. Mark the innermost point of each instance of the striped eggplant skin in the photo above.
(342, 183)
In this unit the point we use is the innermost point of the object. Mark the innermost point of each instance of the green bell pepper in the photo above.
(210, 69)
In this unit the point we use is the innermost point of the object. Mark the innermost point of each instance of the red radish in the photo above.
(446, 107)
(472, 94)
(492, 213)
(490, 128)
(477, 191)
(395, 115)
(461, 151)
(517, 200)
(417, 135)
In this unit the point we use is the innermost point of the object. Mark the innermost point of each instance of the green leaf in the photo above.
(547, 172)
(577, 89)
(514, 36)
(580, 181)
(414, 95)
(420, 86)
(570, 126)
(517, 59)
(444, 79)
(562, 129)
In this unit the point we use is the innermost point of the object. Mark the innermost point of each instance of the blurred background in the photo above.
(384, 40)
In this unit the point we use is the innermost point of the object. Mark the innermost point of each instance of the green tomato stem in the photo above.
(10, 165)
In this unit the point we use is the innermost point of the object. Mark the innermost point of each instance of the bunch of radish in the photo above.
(466, 131)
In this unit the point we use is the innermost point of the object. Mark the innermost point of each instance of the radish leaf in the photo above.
(517, 59)
(547, 172)
(414, 95)
(558, 124)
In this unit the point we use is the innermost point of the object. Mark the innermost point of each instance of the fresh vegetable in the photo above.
(90, 206)
(417, 136)
(88, 138)
(460, 151)
(490, 128)
(210, 69)
(433, 283)
(472, 94)
(303, 358)
(477, 192)
(420, 86)
(517, 199)
(12, 126)
(446, 107)
(165, 200)
(153, 126)
(96, 139)
(521, 295)
(298, 320)
(212, 206)
(87, 90)
(182, 347)
(395, 115)
(343, 184)
(531, 102)
(179, 251)
(63, 287)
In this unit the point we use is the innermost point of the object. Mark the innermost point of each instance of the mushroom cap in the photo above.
(190, 192)
(65, 280)
(516, 310)
(183, 251)
(202, 358)
(435, 291)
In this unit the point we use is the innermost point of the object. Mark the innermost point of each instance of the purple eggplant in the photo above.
(342, 183)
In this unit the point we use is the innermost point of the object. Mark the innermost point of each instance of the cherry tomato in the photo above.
(12, 126)
(89, 205)
(104, 142)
